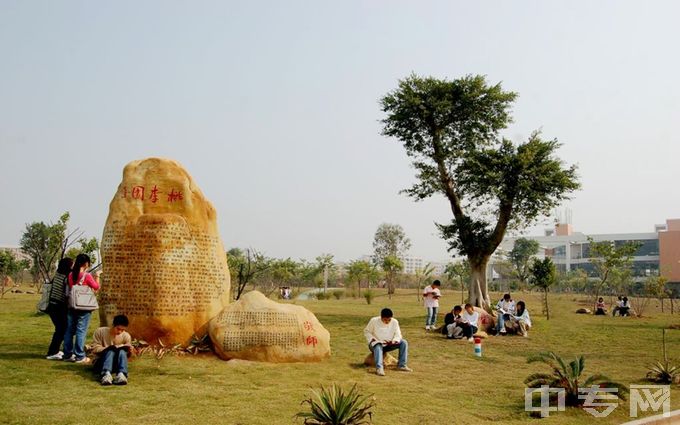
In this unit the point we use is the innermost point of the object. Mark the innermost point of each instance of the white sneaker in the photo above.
(526, 334)
(120, 379)
(471, 339)
(84, 360)
(107, 379)
(380, 371)
(404, 369)
(70, 359)
(427, 327)
(56, 356)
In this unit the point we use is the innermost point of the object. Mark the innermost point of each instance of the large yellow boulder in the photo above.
(257, 328)
(164, 265)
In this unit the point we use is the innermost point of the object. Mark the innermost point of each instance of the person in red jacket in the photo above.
(78, 320)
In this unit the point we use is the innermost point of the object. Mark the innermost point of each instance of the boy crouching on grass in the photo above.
(112, 346)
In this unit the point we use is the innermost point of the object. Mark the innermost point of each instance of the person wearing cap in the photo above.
(383, 334)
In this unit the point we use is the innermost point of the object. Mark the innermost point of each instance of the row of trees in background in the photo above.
(44, 244)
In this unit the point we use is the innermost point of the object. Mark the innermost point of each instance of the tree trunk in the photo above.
(478, 291)
(547, 310)
(462, 288)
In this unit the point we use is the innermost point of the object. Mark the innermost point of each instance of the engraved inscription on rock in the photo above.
(257, 328)
(164, 263)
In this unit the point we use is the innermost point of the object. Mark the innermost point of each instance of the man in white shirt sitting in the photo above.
(468, 321)
(383, 334)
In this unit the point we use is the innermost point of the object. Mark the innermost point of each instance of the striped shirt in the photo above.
(58, 289)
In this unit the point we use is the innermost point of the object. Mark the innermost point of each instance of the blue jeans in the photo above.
(77, 323)
(112, 360)
(501, 321)
(468, 330)
(378, 350)
(431, 316)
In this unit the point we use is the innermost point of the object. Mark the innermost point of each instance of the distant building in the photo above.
(411, 264)
(659, 251)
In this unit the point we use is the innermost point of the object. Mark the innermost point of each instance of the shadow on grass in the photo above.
(18, 355)
(84, 371)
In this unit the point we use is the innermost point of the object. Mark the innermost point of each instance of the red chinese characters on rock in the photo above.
(139, 193)
(174, 196)
(312, 340)
(154, 194)
(308, 326)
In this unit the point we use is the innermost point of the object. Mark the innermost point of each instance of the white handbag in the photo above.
(82, 297)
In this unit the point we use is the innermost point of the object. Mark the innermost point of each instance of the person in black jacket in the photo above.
(451, 329)
(58, 309)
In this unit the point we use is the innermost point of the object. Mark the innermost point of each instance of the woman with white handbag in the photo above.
(81, 305)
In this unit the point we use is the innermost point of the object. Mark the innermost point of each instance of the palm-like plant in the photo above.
(664, 372)
(568, 376)
(334, 406)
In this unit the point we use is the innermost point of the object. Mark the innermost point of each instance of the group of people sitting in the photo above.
(463, 324)
(622, 307)
(383, 333)
(112, 346)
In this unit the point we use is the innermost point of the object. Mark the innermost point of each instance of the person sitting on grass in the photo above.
(112, 346)
(520, 322)
(505, 309)
(600, 309)
(619, 303)
(383, 334)
(624, 310)
(451, 329)
(468, 321)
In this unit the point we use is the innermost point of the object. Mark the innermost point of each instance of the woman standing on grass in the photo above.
(79, 320)
(57, 308)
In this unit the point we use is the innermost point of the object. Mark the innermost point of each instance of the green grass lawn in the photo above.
(449, 385)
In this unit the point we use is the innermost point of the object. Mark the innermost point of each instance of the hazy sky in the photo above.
(273, 108)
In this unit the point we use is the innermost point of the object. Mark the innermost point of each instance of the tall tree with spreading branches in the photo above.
(451, 131)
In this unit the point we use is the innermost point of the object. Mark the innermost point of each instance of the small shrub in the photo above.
(568, 376)
(369, 295)
(334, 406)
(322, 296)
(664, 373)
(338, 294)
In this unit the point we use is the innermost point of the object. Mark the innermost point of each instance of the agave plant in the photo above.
(568, 376)
(334, 406)
(664, 372)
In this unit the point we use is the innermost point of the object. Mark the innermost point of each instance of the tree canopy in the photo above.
(451, 131)
(389, 240)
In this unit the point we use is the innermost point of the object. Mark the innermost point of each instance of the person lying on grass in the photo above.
(451, 329)
(113, 347)
(383, 334)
